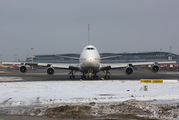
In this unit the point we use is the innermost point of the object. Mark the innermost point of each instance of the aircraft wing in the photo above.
(18, 63)
(106, 66)
(60, 65)
(55, 65)
(109, 57)
(75, 58)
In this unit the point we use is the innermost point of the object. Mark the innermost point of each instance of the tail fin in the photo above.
(89, 41)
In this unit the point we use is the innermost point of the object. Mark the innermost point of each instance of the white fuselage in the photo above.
(89, 59)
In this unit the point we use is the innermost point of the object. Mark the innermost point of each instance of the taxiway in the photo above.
(62, 75)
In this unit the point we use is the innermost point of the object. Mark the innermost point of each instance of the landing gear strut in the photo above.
(89, 76)
(95, 76)
(83, 76)
(107, 75)
(72, 75)
(90, 71)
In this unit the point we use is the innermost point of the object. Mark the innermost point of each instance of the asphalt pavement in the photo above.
(62, 75)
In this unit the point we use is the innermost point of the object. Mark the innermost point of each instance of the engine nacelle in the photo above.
(50, 71)
(23, 69)
(129, 70)
(155, 68)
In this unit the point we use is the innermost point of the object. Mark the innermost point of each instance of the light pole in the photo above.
(32, 56)
(15, 56)
(1, 57)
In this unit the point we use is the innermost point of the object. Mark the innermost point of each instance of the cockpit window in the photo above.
(89, 48)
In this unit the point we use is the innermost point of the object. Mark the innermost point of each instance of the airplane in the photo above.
(89, 63)
(5, 66)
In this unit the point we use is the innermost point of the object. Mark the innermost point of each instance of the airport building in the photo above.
(120, 57)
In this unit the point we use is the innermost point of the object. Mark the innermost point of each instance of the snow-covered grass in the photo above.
(47, 92)
(10, 78)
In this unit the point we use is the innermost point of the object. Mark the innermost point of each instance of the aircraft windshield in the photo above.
(89, 48)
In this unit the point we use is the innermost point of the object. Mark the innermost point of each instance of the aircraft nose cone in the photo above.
(89, 62)
(89, 59)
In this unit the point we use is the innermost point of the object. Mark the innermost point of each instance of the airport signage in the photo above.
(157, 81)
(150, 81)
(145, 81)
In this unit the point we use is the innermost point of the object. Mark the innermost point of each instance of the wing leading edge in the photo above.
(122, 65)
(55, 65)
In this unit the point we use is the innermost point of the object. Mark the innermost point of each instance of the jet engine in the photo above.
(50, 71)
(129, 70)
(23, 69)
(155, 68)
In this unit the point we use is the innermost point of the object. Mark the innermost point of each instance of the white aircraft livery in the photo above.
(89, 64)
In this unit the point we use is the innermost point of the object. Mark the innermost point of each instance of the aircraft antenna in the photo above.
(89, 41)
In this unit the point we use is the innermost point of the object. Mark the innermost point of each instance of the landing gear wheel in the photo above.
(72, 77)
(107, 77)
(83, 77)
(72, 74)
(89, 77)
(95, 77)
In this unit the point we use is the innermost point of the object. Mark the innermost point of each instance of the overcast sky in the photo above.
(61, 26)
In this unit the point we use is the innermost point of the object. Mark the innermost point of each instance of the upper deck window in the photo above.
(89, 48)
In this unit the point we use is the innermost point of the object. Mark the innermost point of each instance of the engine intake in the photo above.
(23, 69)
(129, 70)
(50, 71)
(155, 68)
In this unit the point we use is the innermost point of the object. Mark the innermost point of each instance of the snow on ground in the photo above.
(49, 92)
(10, 78)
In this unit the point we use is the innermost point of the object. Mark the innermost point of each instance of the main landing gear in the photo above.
(92, 77)
(107, 75)
(72, 74)
(83, 76)
(89, 77)
(95, 76)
